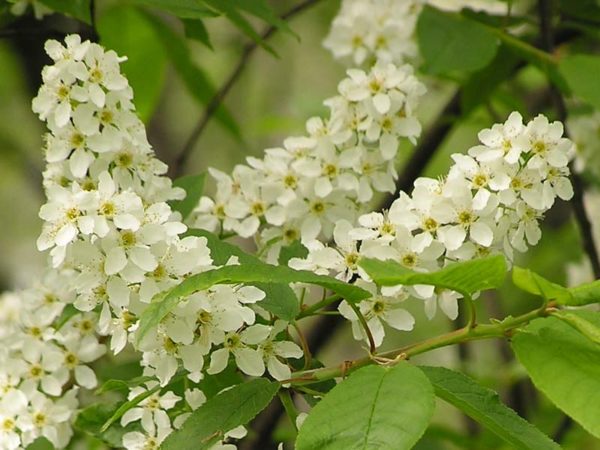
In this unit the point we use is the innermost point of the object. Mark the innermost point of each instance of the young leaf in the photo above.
(535, 284)
(294, 250)
(384, 408)
(580, 72)
(220, 414)
(245, 273)
(464, 277)
(195, 29)
(565, 365)
(193, 185)
(230, 9)
(585, 294)
(185, 9)
(125, 30)
(484, 406)
(588, 329)
(194, 78)
(91, 419)
(78, 9)
(449, 42)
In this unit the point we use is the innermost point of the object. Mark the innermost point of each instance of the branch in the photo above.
(214, 103)
(501, 329)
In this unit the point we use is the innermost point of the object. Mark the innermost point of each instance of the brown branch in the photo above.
(213, 105)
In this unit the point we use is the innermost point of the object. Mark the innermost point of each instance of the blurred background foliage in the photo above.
(175, 67)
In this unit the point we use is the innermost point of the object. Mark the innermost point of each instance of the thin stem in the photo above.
(213, 105)
(288, 405)
(312, 309)
(472, 313)
(500, 329)
(304, 344)
(365, 325)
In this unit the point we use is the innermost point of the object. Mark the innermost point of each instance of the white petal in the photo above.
(249, 361)
(85, 377)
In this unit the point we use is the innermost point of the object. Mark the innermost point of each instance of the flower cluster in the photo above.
(491, 201)
(299, 191)
(365, 31)
(116, 244)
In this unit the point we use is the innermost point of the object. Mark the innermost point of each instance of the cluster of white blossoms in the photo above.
(491, 201)
(300, 190)
(365, 31)
(115, 244)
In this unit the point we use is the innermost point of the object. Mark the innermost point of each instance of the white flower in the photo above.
(248, 360)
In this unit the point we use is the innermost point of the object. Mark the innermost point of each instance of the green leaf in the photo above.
(535, 284)
(481, 85)
(125, 30)
(126, 406)
(244, 273)
(221, 251)
(220, 414)
(195, 29)
(383, 408)
(279, 300)
(91, 419)
(484, 406)
(584, 294)
(564, 365)
(230, 8)
(193, 185)
(78, 9)
(585, 327)
(260, 9)
(121, 385)
(185, 9)
(194, 78)
(581, 74)
(294, 250)
(464, 277)
(450, 42)
(41, 443)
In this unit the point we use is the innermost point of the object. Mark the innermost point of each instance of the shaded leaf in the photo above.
(78, 9)
(220, 414)
(581, 74)
(484, 406)
(125, 30)
(193, 185)
(195, 29)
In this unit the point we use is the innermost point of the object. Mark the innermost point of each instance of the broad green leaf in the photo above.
(484, 406)
(383, 408)
(211, 385)
(193, 185)
(194, 78)
(220, 414)
(565, 365)
(450, 42)
(185, 9)
(244, 273)
(464, 277)
(78, 9)
(535, 284)
(581, 73)
(230, 9)
(41, 443)
(195, 29)
(125, 30)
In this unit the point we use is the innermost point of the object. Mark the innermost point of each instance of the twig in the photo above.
(214, 103)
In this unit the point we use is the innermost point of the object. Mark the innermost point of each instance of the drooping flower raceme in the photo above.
(491, 201)
(300, 190)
